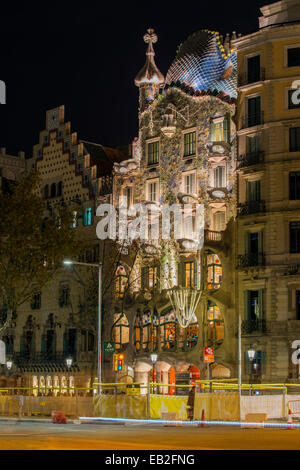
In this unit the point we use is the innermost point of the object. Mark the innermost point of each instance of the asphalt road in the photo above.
(48, 436)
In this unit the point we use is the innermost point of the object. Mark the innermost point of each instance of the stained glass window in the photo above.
(214, 271)
(120, 331)
(215, 333)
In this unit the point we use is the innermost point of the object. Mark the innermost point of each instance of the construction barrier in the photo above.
(120, 406)
(217, 406)
(160, 404)
(43, 406)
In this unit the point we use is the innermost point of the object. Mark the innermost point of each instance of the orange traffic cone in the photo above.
(202, 425)
(290, 420)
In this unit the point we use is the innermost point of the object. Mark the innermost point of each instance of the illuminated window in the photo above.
(146, 331)
(219, 175)
(168, 331)
(152, 191)
(120, 331)
(153, 153)
(215, 334)
(188, 337)
(189, 274)
(138, 331)
(120, 282)
(189, 144)
(75, 220)
(150, 277)
(189, 183)
(219, 131)
(88, 216)
(214, 271)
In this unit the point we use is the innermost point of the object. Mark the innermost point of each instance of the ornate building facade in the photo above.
(222, 130)
(185, 153)
(268, 201)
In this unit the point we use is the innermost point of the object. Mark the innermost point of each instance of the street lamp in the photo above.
(251, 356)
(153, 359)
(69, 361)
(9, 364)
(99, 266)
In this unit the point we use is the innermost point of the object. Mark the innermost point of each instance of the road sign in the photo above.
(109, 347)
(2, 352)
(209, 355)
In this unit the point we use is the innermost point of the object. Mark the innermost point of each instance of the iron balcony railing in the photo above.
(251, 207)
(252, 77)
(254, 326)
(251, 259)
(41, 357)
(253, 119)
(251, 158)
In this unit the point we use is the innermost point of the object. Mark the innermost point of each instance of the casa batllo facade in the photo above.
(185, 153)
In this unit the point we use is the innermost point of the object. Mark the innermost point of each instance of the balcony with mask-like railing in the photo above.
(251, 207)
(252, 77)
(250, 158)
(213, 237)
(251, 260)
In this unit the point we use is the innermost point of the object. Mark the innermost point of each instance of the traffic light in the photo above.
(120, 361)
(115, 362)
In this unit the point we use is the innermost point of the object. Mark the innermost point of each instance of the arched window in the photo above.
(120, 331)
(168, 330)
(215, 334)
(46, 191)
(214, 271)
(53, 190)
(121, 282)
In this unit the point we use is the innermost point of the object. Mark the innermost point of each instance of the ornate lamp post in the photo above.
(154, 360)
(251, 356)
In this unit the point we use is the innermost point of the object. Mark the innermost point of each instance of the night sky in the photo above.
(86, 57)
